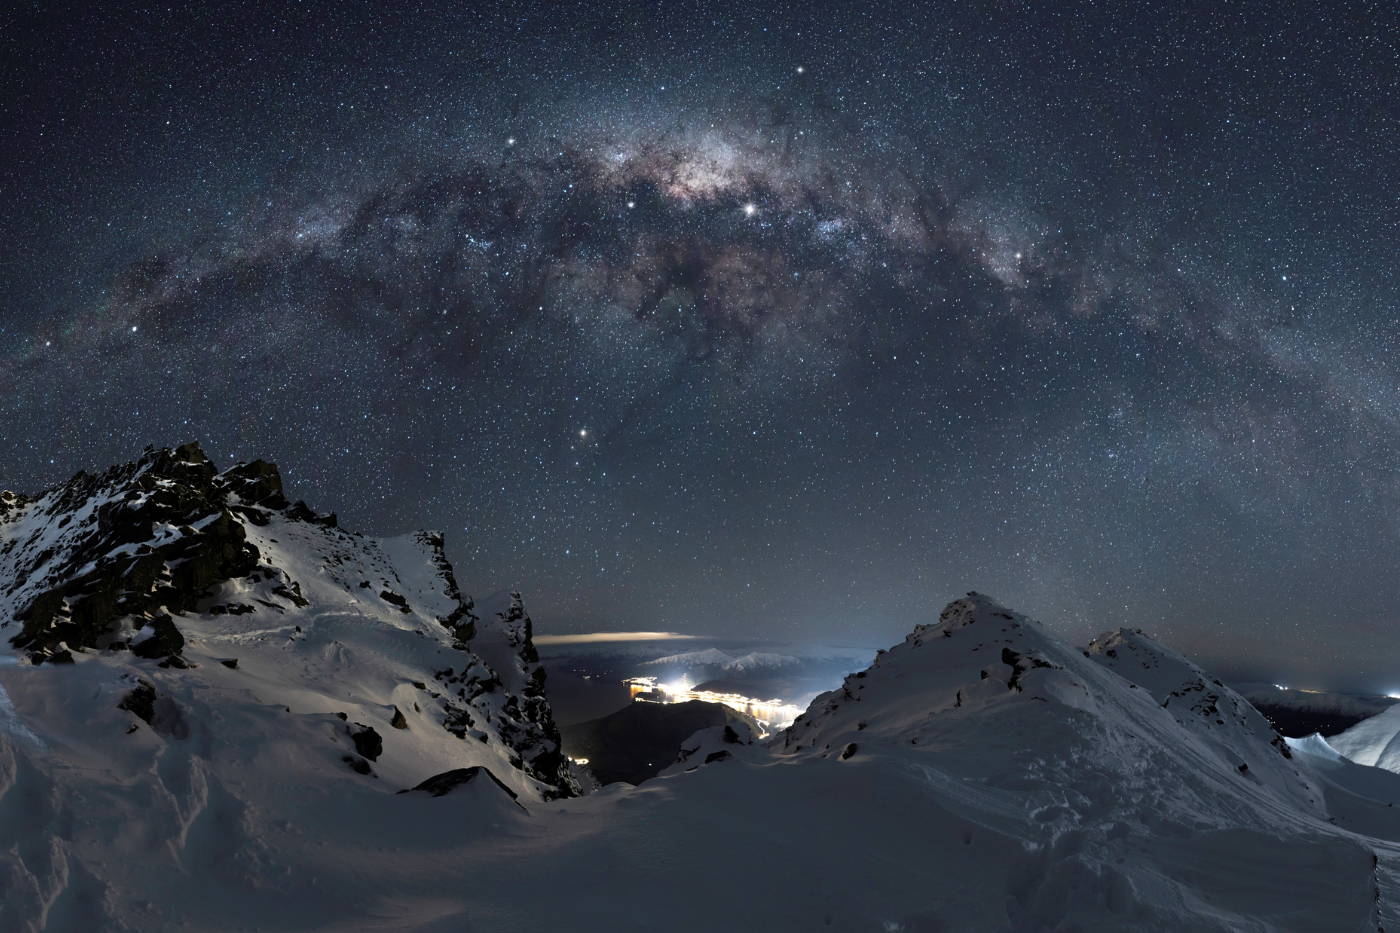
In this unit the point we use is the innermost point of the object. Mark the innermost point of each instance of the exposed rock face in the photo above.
(135, 543)
(164, 642)
(146, 557)
(367, 742)
(461, 621)
(141, 701)
(503, 640)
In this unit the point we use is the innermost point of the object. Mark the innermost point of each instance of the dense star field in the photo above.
(790, 323)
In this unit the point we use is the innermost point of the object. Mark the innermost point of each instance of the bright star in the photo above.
(583, 434)
(800, 69)
(749, 210)
(511, 141)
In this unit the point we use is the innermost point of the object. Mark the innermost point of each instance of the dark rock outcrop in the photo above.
(139, 543)
(154, 536)
(461, 622)
(300, 511)
(257, 483)
(367, 742)
(141, 701)
(395, 599)
(504, 639)
(440, 784)
(165, 641)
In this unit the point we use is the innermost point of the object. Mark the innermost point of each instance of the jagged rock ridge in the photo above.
(144, 560)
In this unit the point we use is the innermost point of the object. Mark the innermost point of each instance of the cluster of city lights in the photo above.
(771, 714)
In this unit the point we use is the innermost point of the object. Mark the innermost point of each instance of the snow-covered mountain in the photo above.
(709, 657)
(171, 596)
(760, 661)
(714, 658)
(983, 775)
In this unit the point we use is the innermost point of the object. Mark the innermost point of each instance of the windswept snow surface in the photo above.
(981, 776)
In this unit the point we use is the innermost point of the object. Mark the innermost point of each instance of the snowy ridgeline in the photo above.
(983, 775)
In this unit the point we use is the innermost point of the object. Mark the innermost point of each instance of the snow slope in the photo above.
(1374, 741)
(184, 647)
(983, 775)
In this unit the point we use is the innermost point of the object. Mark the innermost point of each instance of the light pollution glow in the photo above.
(771, 714)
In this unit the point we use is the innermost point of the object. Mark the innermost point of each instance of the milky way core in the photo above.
(784, 325)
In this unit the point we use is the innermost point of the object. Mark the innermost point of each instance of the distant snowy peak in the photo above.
(158, 560)
(710, 657)
(761, 661)
(713, 657)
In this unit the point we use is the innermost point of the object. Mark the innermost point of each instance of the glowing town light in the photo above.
(770, 714)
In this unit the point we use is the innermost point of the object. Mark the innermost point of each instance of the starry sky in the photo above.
(790, 322)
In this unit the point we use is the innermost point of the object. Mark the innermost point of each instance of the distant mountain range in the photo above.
(713, 657)
(1298, 713)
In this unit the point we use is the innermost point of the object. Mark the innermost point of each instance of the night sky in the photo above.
(791, 323)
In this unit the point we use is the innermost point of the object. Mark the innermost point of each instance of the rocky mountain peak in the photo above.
(153, 561)
(137, 542)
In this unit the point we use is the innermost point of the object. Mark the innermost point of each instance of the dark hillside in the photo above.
(635, 743)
